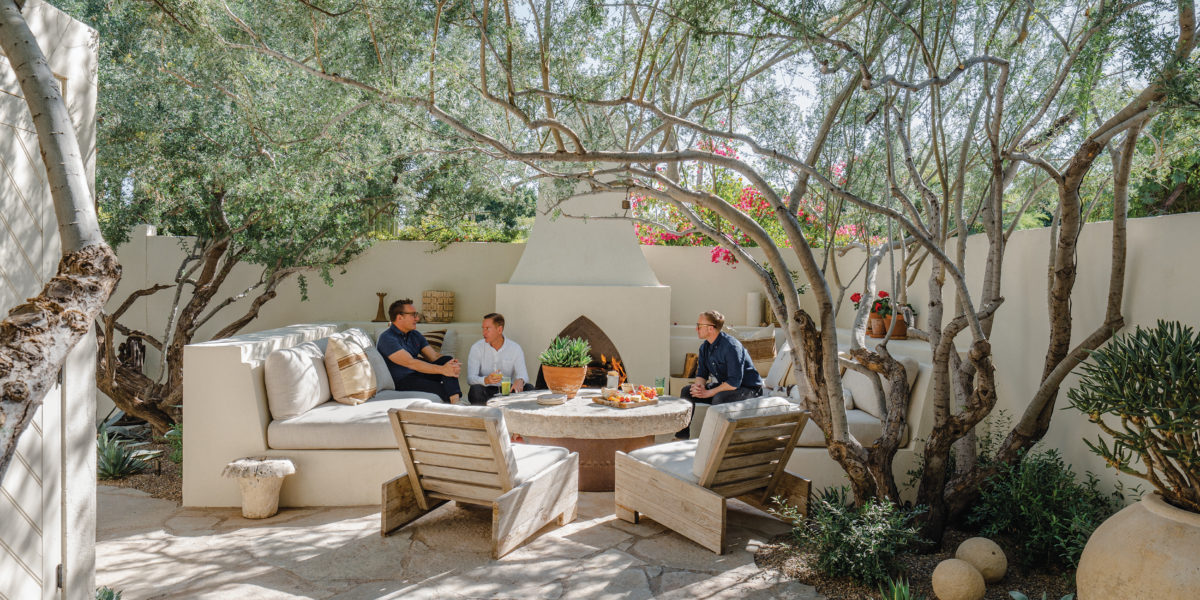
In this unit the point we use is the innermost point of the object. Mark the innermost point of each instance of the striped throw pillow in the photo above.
(351, 380)
(435, 338)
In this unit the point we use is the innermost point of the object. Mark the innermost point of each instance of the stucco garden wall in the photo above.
(1159, 284)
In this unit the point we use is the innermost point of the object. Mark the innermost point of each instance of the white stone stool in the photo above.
(260, 478)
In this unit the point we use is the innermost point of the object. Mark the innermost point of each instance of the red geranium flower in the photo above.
(883, 294)
(855, 297)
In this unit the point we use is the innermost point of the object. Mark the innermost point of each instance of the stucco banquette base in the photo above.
(1148, 550)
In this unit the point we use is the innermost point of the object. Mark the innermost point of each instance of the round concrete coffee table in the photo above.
(593, 430)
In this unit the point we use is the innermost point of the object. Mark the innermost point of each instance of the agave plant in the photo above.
(1148, 384)
(116, 458)
(567, 352)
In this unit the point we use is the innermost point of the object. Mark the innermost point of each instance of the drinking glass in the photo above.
(660, 384)
(505, 385)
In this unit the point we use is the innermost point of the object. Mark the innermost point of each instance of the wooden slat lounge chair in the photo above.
(463, 453)
(741, 454)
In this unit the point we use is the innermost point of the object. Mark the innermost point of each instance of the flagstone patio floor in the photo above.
(150, 548)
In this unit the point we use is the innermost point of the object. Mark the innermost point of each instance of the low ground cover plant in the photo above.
(115, 457)
(1039, 504)
(861, 543)
(174, 439)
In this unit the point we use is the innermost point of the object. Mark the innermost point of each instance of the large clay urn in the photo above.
(564, 380)
(1148, 550)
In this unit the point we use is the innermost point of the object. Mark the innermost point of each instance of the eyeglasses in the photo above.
(408, 313)
(699, 325)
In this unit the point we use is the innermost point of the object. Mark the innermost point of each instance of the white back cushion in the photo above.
(295, 379)
(781, 369)
(863, 389)
(718, 415)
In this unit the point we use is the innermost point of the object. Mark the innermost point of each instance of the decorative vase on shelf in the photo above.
(875, 326)
(380, 313)
(901, 331)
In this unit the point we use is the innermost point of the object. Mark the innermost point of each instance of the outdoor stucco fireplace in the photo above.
(592, 268)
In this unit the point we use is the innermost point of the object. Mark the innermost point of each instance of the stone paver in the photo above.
(150, 548)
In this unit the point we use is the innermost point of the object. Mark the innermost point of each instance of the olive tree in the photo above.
(954, 118)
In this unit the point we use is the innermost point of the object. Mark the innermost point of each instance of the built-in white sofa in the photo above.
(342, 453)
(863, 407)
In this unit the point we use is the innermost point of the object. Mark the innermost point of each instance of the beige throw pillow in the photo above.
(351, 380)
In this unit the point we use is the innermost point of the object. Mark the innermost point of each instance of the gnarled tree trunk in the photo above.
(37, 335)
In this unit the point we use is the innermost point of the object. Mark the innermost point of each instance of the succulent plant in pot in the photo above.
(1143, 391)
(564, 364)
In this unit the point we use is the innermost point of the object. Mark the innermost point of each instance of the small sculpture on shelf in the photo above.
(380, 313)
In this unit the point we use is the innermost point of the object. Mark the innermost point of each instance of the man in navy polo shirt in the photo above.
(727, 361)
(415, 366)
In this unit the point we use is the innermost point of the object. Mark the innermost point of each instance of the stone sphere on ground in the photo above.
(986, 556)
(955, 579)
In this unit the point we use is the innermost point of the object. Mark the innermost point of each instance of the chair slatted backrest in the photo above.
(751, 452)
(452, 457)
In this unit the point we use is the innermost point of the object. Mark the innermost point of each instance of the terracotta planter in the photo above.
(875, 327)
(564, 380)
(901, 331)
(1148, 550)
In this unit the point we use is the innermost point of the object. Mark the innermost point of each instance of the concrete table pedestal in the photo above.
(259, 478)
(593, 430)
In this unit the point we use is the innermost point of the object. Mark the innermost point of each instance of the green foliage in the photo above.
(115, 458)
(174, 439)
(861, 543)
(898, 589)
(1149, 381)
(567, 352)
(107, 593)
(1019, 596)
(1039, 504)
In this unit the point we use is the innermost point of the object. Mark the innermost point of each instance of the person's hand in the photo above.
(518, 386)
(493, 378)
(451, 369)
(699, 391)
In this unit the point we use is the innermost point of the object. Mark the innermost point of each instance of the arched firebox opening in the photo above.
(605, 356)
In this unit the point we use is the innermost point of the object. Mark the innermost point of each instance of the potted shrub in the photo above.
(1143, 391)
(564, 364)
(874, 318)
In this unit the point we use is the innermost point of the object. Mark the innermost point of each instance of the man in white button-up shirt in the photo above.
(491, 360)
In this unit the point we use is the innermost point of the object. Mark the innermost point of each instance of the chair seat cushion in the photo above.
(674, 458)
(863, 427)
(339, 426)
(533, 459)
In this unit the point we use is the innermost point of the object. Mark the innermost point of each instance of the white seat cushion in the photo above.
(338, 426)
(863, 427)
(754, 407)
(295, 379)
(533, 459)
(674, 458)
